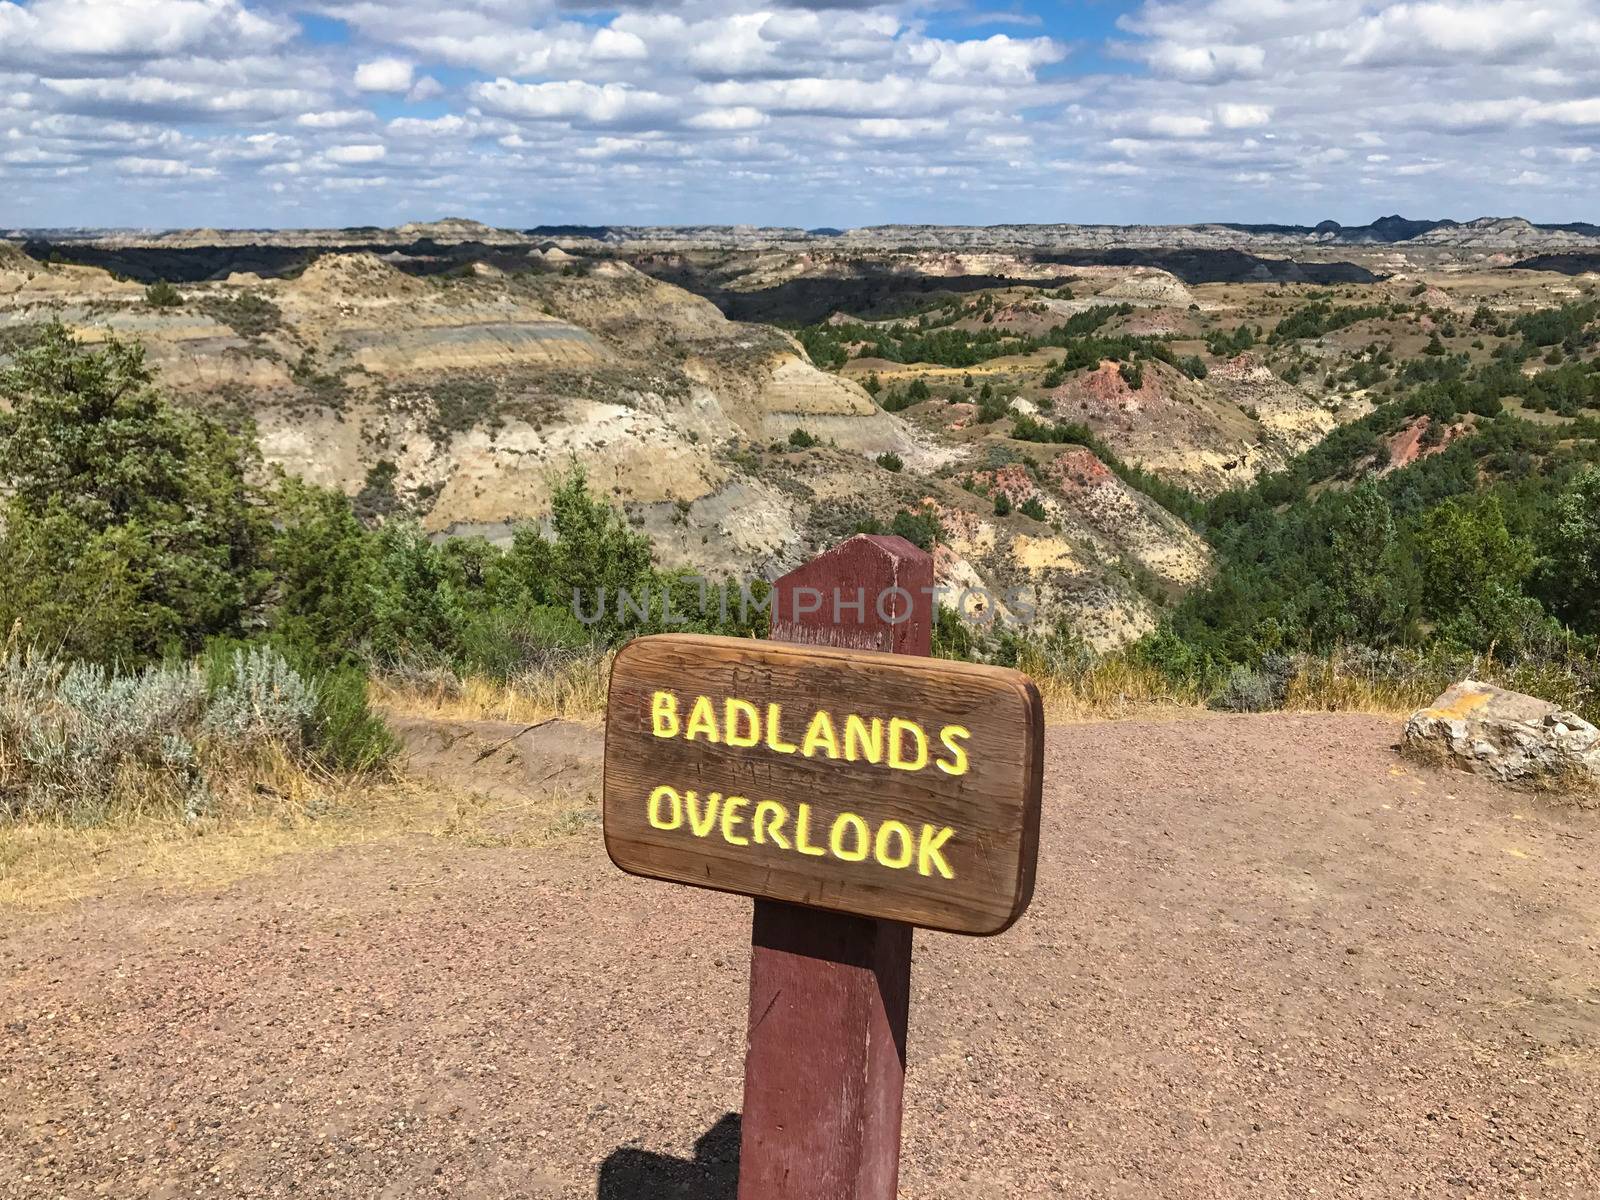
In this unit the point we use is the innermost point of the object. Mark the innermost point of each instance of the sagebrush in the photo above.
(82, 744)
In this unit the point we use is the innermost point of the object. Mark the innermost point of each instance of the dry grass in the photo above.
(268, 804)
(1112, 688)
(44, 864)
(574, 690)
(1115, 688)
(533, 822)
(1321, 685)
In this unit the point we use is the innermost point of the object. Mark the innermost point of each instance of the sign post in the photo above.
(829, 1126)
(855, 794)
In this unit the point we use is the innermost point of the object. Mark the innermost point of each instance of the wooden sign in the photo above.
(874, 784)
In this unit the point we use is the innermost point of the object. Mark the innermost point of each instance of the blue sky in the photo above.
(834, 112)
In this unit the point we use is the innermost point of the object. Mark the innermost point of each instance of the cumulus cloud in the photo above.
(1243, 116)
(795, 110)
(741, 116)
(340, 119)
(174, 99)
(1206, 64)
(384, 75)
(163, 168)
(85, 30)
(571, 100)
(366, 152)
(426, 88)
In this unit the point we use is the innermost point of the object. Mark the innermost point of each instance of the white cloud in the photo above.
(1243, 116)
(804, 111)
(1206, 64)
(898, 127)
(339, 119)
(164, 168)
(367, 152)
(1569, 112)
(890, 95)
(739, 117)
(1000, 58)
(119, 29)
(384, 75)
(1175, 125)
(570, 100)
(449, 125)
(177, 99)
(1491, 32)
(426, 88)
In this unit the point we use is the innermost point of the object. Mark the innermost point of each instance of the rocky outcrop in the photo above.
(1508, 735)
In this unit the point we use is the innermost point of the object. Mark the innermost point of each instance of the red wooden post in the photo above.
(825, 1069)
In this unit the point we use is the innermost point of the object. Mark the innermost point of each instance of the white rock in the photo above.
(1507, 735)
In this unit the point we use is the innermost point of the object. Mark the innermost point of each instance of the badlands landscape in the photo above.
(748, 396)
(374, 950)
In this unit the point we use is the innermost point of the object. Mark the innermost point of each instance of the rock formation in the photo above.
(1510, 736)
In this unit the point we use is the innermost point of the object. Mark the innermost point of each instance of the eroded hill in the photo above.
(1049, 424)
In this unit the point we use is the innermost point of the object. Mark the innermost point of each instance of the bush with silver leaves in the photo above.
(80, 743)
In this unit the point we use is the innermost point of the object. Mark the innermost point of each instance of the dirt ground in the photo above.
(1266, 958)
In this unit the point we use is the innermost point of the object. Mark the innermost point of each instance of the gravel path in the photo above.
(1265, 959)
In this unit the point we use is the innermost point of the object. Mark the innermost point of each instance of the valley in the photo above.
(1051, 409)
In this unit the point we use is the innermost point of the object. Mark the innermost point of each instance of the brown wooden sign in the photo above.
(875, 784)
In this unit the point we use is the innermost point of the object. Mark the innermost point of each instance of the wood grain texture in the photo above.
(991, 811)
(825, 1071)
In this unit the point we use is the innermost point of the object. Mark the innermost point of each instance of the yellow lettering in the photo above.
(929, 857)
(802, 833)
(898, 728)
(767, 820)
(958, 755)
(880, 846)
(841, 823)
(672, 797)
(862, 740)
(820, 736)
(774, 741)
(732, 711)
(702, 720)
(730, 807)
(704, 823)
(664, 714)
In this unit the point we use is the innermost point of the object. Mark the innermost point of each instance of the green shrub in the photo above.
(1570, 573)
(1244, 691)
(129, 525)
(162, 294)
(920, 528)
(83, 744)
(1002, 504)
(247, 314)
(346, 735)
(1033, 507)
(802, 439)
(256, 698)
(890, 461)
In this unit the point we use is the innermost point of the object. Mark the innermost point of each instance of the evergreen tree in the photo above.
(130, 528)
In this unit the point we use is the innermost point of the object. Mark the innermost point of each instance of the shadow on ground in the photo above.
(712, 1174)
